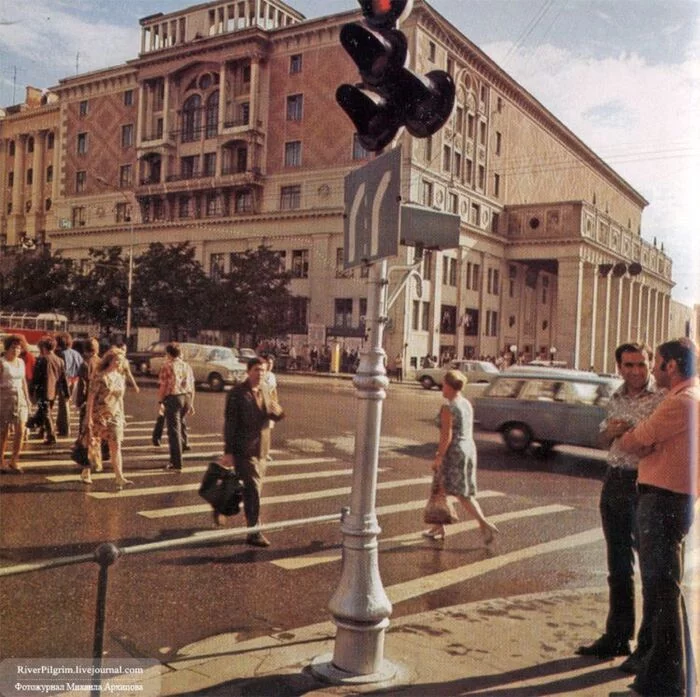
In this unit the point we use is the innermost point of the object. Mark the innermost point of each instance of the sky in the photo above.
(623, 75)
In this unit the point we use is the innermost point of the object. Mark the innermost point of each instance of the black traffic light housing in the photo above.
(390, 96)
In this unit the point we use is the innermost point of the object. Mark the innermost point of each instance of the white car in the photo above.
(475, 371)
(216, 366)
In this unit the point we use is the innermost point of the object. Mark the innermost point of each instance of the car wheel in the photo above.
(545, 449)
(517, 436)
(143, 368)
(427, 382)
(216, 382)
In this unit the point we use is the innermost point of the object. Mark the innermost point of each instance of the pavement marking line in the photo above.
(427, 584)
(415, 538)
(155, 490)
(132, 474)
(287, 498)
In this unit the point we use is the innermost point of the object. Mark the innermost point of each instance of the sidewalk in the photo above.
(517, 647)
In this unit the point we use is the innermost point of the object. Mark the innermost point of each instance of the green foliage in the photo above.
(253, 298)
(171, 289)
(39, 281)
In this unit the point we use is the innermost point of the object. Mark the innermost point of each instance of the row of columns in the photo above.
(607, 311)
(20, 221)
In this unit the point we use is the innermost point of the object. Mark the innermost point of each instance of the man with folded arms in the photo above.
(668, 485)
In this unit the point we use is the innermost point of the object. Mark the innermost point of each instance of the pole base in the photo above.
(323, 668)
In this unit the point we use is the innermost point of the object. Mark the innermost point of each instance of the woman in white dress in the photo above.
(14, 402)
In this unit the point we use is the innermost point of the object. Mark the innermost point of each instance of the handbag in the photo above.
(79, 454)
(222, 488)
(439, 510)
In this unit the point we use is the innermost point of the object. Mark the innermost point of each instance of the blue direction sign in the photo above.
(372, 207)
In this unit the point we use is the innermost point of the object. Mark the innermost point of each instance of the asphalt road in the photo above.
(162, 601)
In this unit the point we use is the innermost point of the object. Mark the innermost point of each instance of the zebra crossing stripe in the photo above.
(135, 474)
(423, 585)
(415, 538)
(285, 498)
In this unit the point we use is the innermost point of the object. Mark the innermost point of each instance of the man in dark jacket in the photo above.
(48, 382)
(249, 409)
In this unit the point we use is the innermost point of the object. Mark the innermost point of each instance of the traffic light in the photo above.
(390, 96)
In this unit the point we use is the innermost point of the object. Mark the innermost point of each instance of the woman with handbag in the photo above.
(454, 465)
(104, 412)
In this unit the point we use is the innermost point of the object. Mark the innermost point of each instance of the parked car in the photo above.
(140, 361)
(548, 406)
(215, 366)
(475, 371)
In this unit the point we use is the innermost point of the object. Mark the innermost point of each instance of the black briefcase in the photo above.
(222, 488)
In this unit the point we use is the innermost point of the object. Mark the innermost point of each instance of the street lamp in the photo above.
(130, 273)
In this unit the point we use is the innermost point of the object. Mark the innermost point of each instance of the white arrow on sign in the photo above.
(354, 211)
(376, 206)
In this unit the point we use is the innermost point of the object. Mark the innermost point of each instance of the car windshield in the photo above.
(221, 354)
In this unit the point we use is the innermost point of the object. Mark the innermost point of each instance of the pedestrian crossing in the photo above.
(322, 479)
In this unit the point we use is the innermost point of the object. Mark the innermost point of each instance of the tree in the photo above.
(40, 281)
(101, 293)
(254, 297)
(171, 289)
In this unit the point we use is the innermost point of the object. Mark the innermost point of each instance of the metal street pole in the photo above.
(360, 606)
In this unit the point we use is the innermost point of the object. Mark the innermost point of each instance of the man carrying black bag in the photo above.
(249, 409)
(223, 490)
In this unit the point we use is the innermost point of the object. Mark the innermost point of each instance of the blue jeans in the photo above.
(664, 519)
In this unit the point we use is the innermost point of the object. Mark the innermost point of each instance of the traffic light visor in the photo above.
(375, 122)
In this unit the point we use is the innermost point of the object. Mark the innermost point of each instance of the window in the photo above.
(50, 139)
(428, 266)
(359, 152)
(184, 207)
(453, 203)
(158, 209)
(343, 312)
(292, 154)
(128, 97)
(432, 51)
(295, 103)
(415, 316)
(49, 174)
(448, 319)
(290, 197)
(481, 183)
(496, 185)
(30, 176)
(212, 204)
(125, 176)
(12, 148)
(472, 276)
(30, 144)
(499, 104)
(212, 115)
(491, 326)
(189, 167)
(475, 216)
(128, 135)
(470, 125)
(429, 149)
(209, 164)
(243, 202)
(80, 181)
(499, 142)
(122, 212)
(471, 322)
(469, 173)
(300, 263)
(282, 258)
(482, 132)
(82, 143)
(295, 64)
(216, 266)
(425, 317)
(10, 179)
(47, 204)
(83, 108)
(457, 164)
(459, 119)
(493, 281)
(299, 311)
(340, 270)
(446, 158)
(78, 216)
(449, 271)
(191, 118)
(427, 193)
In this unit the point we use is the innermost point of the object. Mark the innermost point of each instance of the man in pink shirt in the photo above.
(668, 485)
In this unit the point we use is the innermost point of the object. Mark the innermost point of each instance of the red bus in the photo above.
(33, 325)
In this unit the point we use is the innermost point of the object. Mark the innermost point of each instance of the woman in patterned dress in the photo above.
(104, 412)
(455, 460)
(14, 401)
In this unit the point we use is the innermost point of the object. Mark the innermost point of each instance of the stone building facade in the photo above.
(224, 132)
